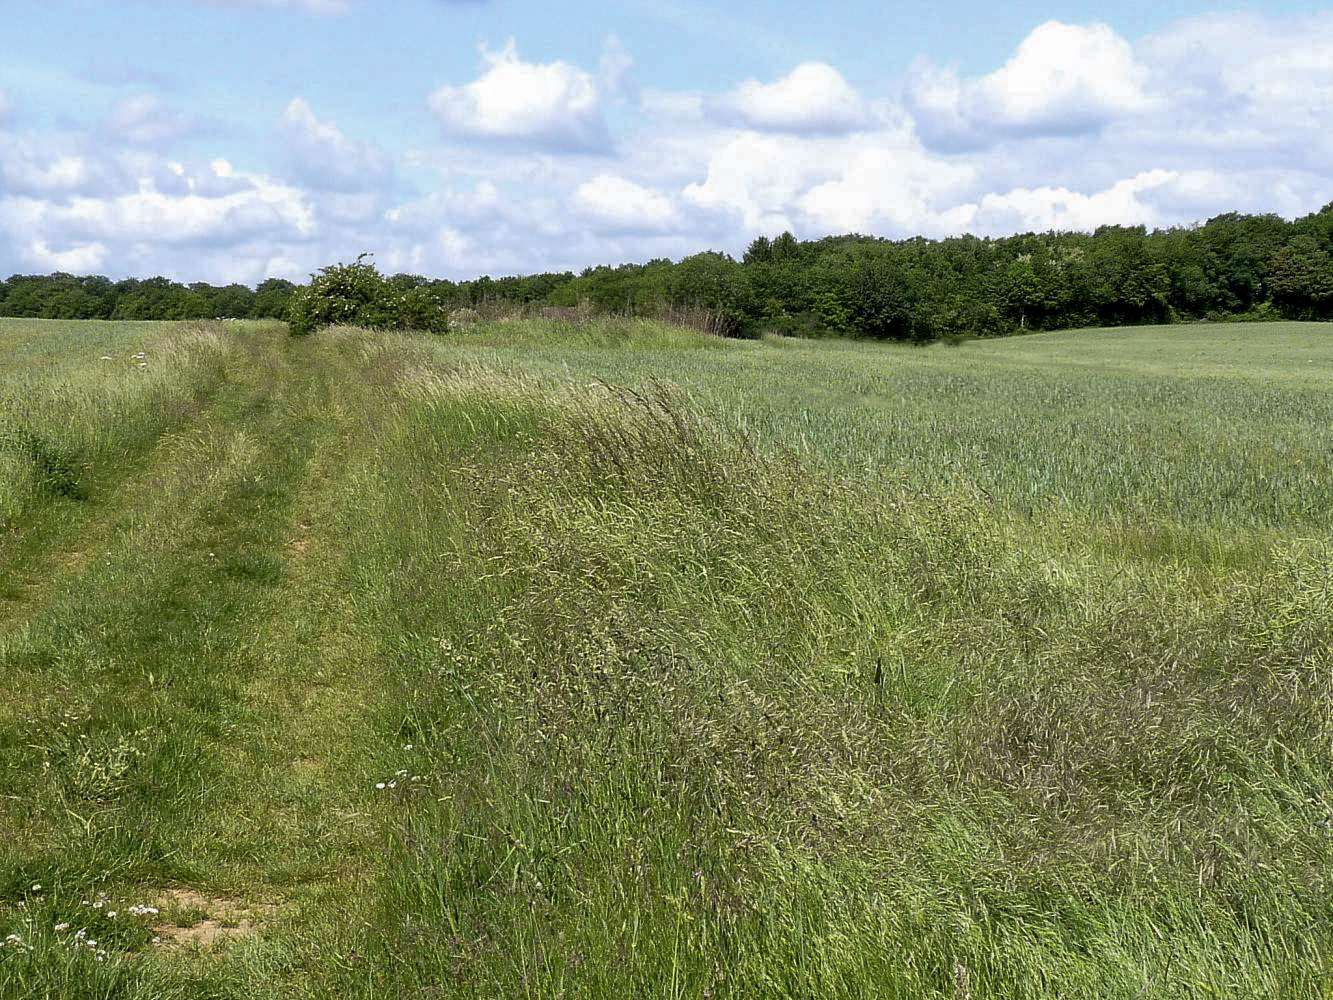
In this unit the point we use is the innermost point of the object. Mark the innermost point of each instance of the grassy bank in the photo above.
(616, 666)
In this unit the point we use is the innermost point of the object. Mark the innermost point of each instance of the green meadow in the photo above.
(615, 660)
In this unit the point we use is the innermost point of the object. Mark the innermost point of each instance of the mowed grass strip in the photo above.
(186, 712)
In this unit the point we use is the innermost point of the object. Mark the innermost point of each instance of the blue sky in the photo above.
(227, 140)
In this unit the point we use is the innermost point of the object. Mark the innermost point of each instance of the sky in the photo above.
(234, 140)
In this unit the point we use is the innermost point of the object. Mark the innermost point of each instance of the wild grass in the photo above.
(566, 670)
(69, 403)
(1155, 424)
(595, 332)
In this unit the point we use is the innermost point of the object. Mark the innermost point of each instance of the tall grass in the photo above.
(697, 717)
(595, 332)
(84, 401)
(1156, 425)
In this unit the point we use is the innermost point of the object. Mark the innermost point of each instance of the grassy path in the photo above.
(186, 713)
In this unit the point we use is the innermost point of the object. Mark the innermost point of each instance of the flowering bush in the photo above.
(352, 294)
(356, 294)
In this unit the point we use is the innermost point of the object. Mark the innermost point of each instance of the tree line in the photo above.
(1234, 266)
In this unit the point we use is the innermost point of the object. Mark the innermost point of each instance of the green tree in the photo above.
(714, 281)
(272, 298)
(1301, 278)
(883, 303)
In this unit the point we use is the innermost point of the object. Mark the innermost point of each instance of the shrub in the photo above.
(423, 308)
(354, 294)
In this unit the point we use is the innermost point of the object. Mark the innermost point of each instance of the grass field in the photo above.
(611, 660)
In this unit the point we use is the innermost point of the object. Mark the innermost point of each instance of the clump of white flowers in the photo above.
(403, 776)
(65, 934)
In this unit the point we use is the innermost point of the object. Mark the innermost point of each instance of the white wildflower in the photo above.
(62, 927)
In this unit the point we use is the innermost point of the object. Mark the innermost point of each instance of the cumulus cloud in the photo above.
(51, 166)
(465, 229)
(812, 98)
(880, 181)
(1063, 79)
(553, 105)
(57, 174)
(887, 189)
(146, 120)
(1046, 208)
(614, 204)
(324, 157)
(506, 224)
(753, 180)
(213, 209)
(259, 206)
(1244, 88)
(86, 258)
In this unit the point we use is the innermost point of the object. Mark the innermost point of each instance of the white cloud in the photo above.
(546, 105)
(881, 181)
(871, 182)
(326, 158)
(147, 120)
(1046, 208)
(1244, 89)
(510, 225)
(753, 180)
(616, 71)
(812, 98)
(51, 166)
(257, 207)
(5, 106)
(1063, 79)
(61, 173)
(87, 258)
(887, 189)
(616, 205)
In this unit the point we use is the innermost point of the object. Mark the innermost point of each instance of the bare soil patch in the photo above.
(193, 919)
